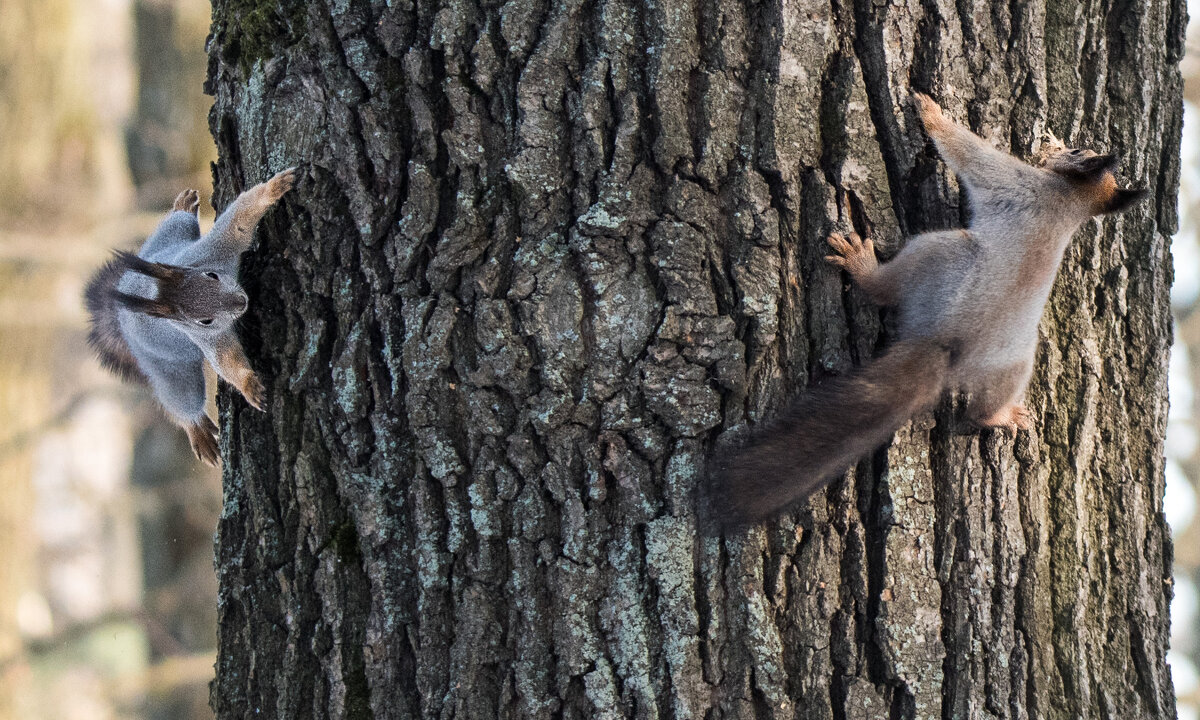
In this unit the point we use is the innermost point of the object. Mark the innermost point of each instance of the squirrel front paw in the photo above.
(855, 255)
(252, 389)
(188, 201)
(280, 184)
(930, 112)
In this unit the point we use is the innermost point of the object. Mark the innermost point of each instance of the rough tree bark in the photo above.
(547, 252)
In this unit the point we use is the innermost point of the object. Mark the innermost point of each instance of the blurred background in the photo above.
(107, 589)
(1183, 425)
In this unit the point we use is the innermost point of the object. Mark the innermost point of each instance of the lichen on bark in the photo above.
(546, 254)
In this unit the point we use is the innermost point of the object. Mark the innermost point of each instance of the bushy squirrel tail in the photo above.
(821, 434)
(101, 298)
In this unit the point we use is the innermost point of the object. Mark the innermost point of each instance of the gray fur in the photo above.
(158, 315)
(968, 302)
(821, 433)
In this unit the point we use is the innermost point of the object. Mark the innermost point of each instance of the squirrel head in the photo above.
(198, 300)
(1092, 176)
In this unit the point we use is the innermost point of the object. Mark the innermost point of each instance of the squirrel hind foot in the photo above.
(1014, 417)
(854, 254)
(187, 201)
(203, 437)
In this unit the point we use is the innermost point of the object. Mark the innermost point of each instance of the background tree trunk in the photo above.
(546, 252)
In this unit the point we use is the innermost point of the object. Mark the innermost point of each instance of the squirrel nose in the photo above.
(245, 303)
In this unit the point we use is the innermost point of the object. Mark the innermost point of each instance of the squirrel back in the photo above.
(105, 336)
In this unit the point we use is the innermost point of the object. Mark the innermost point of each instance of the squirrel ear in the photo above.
(1088, 169)
(1123, 199)
(158, 271)
(153, 308)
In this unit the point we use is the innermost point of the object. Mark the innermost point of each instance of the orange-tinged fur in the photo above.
(1102, 192)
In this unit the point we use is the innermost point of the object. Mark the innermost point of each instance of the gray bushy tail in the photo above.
(821, 434)
(105, 336)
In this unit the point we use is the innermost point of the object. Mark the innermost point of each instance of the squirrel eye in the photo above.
(205, 322)
(212, 275)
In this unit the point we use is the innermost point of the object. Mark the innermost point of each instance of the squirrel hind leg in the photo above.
(203, 436)
(997, 402)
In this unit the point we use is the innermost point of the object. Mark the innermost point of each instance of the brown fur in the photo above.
(1103, 192)
(232, 363)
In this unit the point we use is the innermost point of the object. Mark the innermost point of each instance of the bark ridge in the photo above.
(546, 253)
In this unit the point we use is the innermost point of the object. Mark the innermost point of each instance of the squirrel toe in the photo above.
(187, 201)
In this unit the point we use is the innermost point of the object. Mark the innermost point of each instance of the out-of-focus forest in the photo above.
(1183, 427)
(107, 590)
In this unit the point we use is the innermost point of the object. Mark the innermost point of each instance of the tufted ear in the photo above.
(1123, 200)
(1085, 169)
(153, 308)
(158, 271)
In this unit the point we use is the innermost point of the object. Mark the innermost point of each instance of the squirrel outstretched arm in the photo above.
(158, 315)
(968, 304)
(233, 230)
(985, 170)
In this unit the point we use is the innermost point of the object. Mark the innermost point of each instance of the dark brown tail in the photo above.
(105, 337)
(821, 434)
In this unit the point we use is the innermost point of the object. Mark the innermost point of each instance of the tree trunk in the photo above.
(546, 253)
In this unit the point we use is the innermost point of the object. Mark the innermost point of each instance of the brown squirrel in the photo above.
(158, 315)
(968, 301)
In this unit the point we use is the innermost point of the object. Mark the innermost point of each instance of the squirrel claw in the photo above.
(854, 254)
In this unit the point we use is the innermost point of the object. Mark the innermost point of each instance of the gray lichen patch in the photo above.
(545, 253)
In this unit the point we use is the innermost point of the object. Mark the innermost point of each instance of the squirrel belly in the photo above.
(822, 433)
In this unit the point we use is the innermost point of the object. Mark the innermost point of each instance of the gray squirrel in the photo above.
(968, 306)
(158, 315)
